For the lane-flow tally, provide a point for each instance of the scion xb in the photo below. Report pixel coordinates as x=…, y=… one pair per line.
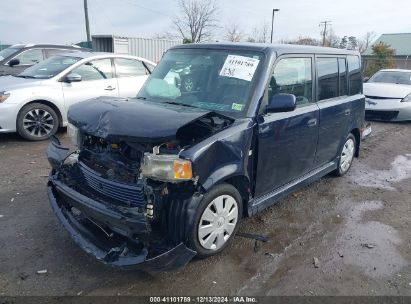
x=218, y=132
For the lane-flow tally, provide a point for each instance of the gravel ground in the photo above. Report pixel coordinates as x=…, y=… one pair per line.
x=356, y=229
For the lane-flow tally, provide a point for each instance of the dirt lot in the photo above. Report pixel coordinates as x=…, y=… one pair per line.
x=358, y=227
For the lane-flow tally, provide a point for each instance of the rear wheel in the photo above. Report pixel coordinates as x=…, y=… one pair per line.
x=346, y=156
x=37, y=121
x=216, y=220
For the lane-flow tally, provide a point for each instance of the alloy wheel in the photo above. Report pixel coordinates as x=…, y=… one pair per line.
x=38, y=122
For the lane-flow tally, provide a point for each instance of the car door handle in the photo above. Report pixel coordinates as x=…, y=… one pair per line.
x=347, y=112
x=312, y=122
x=109, y=88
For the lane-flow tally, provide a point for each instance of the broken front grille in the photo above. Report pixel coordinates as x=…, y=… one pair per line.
x=129, y=194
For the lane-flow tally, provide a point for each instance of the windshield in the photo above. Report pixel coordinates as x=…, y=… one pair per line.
x=217, y=80
x=7, y=52
x=49, y=67
x=396, y=77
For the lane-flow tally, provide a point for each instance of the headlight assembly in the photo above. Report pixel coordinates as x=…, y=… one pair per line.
x=169, y=168
x=74, y=134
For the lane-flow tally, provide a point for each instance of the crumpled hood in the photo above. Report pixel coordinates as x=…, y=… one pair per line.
x=388, y=90
x=117, y=119
x=9, y=83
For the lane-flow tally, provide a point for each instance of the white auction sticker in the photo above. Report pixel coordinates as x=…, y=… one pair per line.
x=239, y=67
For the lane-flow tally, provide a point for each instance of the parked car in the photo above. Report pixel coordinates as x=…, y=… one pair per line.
x=18, y=57
x=159, y=179
x=388, y=95
x=35, y=102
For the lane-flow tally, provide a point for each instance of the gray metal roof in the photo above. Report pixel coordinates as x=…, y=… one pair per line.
x=401, y=42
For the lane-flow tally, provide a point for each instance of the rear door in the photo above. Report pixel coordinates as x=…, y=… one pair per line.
x=334, y=104
x=96, y=80
x=131, y=75
x=287, y=141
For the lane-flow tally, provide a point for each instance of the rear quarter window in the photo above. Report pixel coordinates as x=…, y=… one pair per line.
x=327, y=70
x=354, y=74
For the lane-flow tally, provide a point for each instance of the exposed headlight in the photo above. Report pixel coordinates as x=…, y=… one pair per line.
x=74, y=134
x=3, y=96
x=166, y=168
x=406, y=98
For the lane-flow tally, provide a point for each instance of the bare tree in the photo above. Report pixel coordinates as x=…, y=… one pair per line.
x=302, y=40
x=197, y=19
x=365, y=41
x=233, y=33
x=260, y=33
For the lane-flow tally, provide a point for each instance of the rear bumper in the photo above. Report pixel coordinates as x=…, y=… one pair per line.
x=120, y=237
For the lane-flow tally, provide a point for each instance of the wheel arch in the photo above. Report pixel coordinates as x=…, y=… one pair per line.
x=242, y=184
x=47, y=103
x=357, y=135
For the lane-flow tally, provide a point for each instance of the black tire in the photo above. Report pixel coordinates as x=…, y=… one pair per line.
x=341, y=170
x=45, y=122
x=219, y=190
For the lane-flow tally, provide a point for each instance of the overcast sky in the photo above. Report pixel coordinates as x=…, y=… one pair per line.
x=62, y=21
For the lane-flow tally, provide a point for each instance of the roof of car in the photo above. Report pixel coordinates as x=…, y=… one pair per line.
x=46, y=45
x=85, y=55
x=279, y=48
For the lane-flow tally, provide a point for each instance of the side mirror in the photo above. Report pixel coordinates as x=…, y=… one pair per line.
x=72, y=77
x=14, y=62
x=365, y=79
x=281, y=103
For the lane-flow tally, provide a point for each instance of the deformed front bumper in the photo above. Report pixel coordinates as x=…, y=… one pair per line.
x=122, y=254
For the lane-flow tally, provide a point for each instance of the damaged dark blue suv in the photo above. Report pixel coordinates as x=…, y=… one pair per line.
x=218, y=132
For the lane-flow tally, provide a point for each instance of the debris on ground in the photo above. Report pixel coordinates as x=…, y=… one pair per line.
x=12, y=199
x=32, y=162
x=273, y=255
x=369, y=246
x=43, y=271
x=316, y=262
x=23, y=276
x=340, y=254
x=257, y=246
x=79, y=293
x=257, y=237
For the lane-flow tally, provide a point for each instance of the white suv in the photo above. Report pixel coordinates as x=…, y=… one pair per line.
x=35, y=102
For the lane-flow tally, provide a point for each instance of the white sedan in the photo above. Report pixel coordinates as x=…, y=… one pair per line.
x=35, y=102
x=388, y=95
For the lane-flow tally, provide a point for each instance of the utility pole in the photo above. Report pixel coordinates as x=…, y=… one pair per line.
x=272, y=23
x=87, y=24
x=324, y=23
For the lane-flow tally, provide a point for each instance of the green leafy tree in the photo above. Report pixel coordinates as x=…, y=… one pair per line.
x=383, y=58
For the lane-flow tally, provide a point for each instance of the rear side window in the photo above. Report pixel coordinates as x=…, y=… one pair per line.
x=343, y=76
x=95, y=70
x=30, y=57
x=292, y=76
x=327, y=70
x=354, y=72
x=129, y=67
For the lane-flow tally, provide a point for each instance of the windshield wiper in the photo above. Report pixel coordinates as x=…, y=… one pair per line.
x=180, y=104
x=24, y=76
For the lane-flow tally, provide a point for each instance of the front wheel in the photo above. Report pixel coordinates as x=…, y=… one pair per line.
x=216, y=220
x=346, y=156
x=37, y=121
